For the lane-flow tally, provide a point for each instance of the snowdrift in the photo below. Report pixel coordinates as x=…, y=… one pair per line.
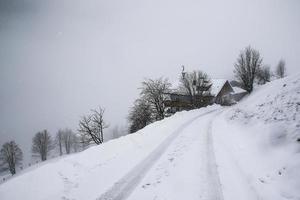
x=88, y=174
x=257, y=143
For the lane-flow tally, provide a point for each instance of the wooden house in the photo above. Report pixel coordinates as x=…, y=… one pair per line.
x=219, y=91
x=222, y=91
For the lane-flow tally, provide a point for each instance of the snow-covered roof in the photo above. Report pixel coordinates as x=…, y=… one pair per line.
x=238, y=90
x=217, y=85
x=175, y=88
x=175, y=85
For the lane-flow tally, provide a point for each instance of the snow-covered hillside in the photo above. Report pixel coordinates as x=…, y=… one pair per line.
x=277, y=102
x=89, y=174
x=247, y=151
x=258, y=140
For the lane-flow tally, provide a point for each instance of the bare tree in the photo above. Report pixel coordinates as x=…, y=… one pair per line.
x=59, y=141
x=83, y=140
x=194, y=83
x=281, y=69
x=11, y=156
x=140, y=115
x=153, y=90
x=76, y=144
x=92, y=126
x=68, y=139
x=42, y=144
x=98, y=122
x=86, y=130
x=248, y=63
x=263, y=75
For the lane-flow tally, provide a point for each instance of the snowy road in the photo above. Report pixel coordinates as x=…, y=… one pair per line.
x=181, y=167
x=251, y=148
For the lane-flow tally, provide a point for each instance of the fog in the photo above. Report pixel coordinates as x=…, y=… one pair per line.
x=60, y=58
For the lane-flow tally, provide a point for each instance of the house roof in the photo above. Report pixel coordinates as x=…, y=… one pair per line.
x=217, y=85
x=175, y=85
x=238, y=90
x=175, y=88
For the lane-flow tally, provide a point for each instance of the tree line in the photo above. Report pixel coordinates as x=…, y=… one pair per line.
x=249, y=68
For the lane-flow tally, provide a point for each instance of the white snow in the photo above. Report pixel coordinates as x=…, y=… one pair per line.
x=217, y=85
x=89, y=174
x=245, y=152
x=238, y=90
x=187, y=170
x=256, y=143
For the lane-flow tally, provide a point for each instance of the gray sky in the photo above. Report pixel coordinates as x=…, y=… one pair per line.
x=60, y=58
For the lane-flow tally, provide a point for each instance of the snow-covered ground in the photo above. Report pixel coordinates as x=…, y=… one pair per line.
x=89, y=174
x=247, y=151
x=187, y=170
x=256, y=143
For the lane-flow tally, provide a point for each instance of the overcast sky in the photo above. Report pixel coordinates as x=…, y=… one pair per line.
x=60, y=58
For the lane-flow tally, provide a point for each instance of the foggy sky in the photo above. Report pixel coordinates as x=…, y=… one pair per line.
x=60, y=58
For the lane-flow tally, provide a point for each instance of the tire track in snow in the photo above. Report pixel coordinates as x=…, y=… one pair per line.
x=212, y=171
x=124, y=187
x=193, y=168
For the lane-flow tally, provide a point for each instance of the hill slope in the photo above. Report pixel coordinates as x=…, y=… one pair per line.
x=88, y=174
x=258, y=140
x=247, y=151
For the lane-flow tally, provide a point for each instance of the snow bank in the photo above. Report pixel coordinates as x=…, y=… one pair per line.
x=88, y=174
x=277, y=102
x=256, y=143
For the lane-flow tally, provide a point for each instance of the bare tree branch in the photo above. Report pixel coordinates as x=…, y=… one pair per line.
x=246, y=67
x=154, y=91
x=92, y=126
